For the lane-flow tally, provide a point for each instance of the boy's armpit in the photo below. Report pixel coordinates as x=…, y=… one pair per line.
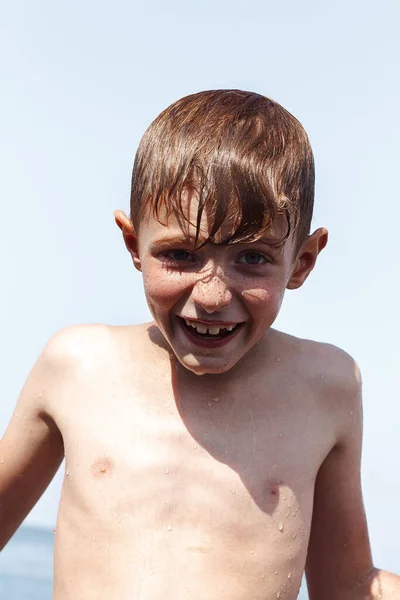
x=31, y=449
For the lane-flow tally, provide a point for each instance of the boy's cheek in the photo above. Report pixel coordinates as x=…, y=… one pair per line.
x=161, y=290
x=264, y=300
x=163, y=294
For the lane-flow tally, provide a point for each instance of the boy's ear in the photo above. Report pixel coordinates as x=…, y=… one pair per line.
x=307, y=257
x=129, y=235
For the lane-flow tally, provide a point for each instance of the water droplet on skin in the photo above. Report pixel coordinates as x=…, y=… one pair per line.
x=233, y=491
x=276, y=573
x=252, y=551
x=280, y=434
x=322, y=376
x=280, y=526
x=67, y=473
x=195, y=446
x=118, y=520
x=166, y=471
x=216, y=399
x=54, y=532
x=288, y=513
x=93, y=538
x=289, y=575
x=151, y=572
x=209, y=403
x=40, y=394
x=2, y=461
x=351, y=412
x=278, y=595
x=169, y=528
x=294, y=535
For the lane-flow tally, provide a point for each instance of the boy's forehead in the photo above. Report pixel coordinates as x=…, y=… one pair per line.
x=184, y=223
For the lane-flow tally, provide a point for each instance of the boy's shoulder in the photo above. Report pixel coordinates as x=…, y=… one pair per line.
x=321, y=365
x=81, y=344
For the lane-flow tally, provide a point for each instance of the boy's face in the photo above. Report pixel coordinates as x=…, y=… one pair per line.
x=214, y=304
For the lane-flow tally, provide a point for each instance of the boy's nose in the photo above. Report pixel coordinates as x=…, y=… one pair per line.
x=211, y=294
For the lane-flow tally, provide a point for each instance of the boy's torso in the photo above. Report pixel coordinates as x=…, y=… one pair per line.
x=176, y=490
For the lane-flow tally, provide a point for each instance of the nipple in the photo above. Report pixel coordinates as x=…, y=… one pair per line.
x=101, y=467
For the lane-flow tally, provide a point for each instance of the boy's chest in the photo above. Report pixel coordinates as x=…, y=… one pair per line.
x=224, y=455
x=181, y=482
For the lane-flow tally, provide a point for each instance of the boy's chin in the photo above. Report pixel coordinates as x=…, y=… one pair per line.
x=210, y=366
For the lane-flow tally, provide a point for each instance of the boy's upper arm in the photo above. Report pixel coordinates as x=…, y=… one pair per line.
x=31, y=449
x=339, y=555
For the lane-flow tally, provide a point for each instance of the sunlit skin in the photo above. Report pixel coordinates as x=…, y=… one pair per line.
x=239, y=283
x=220, y=487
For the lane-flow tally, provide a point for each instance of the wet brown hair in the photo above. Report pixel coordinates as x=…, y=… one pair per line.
x=247, y=158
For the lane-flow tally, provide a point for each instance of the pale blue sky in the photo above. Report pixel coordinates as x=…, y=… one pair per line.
x=80, y=83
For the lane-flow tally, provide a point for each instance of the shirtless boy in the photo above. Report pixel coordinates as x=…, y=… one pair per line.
x=207, y=455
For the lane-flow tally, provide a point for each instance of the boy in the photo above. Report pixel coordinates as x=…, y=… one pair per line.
x=207, y=455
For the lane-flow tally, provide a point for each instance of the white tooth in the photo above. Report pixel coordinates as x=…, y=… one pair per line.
x=190, y=324
x=231, y=327
x=201, y=328
x=214, y=330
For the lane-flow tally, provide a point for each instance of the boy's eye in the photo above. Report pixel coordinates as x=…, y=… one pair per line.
x=179, y=256
x=253, y=258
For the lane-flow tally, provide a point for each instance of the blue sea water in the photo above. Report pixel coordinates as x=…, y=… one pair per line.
x=26, y=566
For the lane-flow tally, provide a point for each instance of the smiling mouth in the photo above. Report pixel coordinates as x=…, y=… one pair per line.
x=209, y=332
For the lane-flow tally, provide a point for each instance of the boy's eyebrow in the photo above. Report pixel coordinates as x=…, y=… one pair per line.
x=183, y=239
x=272, y=243
x=175, y=239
